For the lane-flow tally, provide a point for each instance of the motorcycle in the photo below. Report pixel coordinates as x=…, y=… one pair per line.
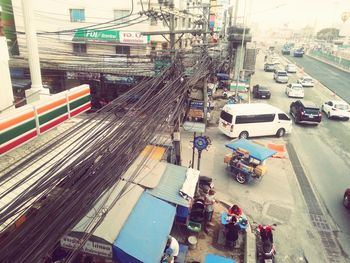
x=268, y=249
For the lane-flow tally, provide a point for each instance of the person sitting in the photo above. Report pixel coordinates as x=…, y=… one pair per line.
x=235, y=210
x=172, y=249
x=266, y=233
x=232, y=232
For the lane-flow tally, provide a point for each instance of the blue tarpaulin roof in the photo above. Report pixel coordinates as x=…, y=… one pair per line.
x=211, y=258
x=169, y=186
x=255, y=150
x=144, y=235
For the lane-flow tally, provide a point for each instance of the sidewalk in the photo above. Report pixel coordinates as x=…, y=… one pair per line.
x=276, y=198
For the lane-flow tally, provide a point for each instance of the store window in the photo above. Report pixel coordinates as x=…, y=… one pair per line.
x=121, y=15
x=79, y=48
x=123, y=50
x=77, y=15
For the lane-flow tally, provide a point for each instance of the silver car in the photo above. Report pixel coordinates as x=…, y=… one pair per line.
x=306, y=81
x=280, y=76
x=291, y=68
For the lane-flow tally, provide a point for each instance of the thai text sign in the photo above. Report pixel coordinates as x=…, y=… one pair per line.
x=90, y=247
x=133, y=38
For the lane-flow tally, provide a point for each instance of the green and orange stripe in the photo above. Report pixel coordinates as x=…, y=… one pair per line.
x=17, y=130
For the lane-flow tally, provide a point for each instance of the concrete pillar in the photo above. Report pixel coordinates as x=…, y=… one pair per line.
x=6, y=99
x=37, y=89
x=239, y=59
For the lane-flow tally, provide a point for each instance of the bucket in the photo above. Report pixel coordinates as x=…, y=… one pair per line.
x=192, y=242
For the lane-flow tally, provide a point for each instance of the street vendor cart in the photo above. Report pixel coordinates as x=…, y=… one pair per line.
x=247, y=161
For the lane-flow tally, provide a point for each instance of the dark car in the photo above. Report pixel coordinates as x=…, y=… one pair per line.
x=269, y=67
x=346, y=199
x=298, y=53
x=261, y=92
x=305, y=112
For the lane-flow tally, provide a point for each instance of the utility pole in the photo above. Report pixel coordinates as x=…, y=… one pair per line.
x=205, y=25
x=37, y=88
x=172, y=30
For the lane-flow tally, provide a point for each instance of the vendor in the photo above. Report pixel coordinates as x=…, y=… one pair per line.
x=232, y=232
x=235, y=210
x=171, y=250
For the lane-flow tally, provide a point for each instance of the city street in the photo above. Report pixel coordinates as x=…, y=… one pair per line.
x=323, y=149
x=324, y=156
x=334, y=79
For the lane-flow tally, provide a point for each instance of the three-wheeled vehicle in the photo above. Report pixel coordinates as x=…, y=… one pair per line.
x=247, y=161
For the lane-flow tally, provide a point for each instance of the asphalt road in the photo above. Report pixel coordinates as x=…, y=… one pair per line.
x=323, y=150
x=336, y=80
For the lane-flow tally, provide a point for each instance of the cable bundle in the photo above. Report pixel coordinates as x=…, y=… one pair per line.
x=105, y=149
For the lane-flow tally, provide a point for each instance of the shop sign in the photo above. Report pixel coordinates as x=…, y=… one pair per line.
x=133, y=38
x=119, y=79
x=197, y=104
x=90, y=247
x=83, y=75
x=110, y=36
x=98, y=36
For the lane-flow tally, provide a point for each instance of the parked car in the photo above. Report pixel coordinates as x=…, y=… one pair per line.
x=304, y=112
x=306, y=81
x=291, y=68
x=261, y=92
x=346, y=198
x=336, y=109
x=295, y=90
x=280, y=76
x=285, y=51
x=269, y=67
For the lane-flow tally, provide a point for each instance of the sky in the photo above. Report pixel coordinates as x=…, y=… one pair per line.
x=294, y=13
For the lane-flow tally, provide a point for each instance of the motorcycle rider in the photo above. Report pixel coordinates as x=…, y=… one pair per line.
x=266, y=233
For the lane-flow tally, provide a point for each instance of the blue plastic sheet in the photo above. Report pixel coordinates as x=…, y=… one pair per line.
x=255, y=150
x=211, y=258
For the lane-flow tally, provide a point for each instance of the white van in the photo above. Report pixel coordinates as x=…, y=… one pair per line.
x=255, y=119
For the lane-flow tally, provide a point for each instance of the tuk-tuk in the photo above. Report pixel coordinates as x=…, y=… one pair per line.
x=247, y=161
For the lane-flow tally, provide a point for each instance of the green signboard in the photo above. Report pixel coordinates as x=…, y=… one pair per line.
x=96, y=36
x=110, y=36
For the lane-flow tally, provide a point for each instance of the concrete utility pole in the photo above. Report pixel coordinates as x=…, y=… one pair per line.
x=6, y=100
x=172, y=30
x=37, y=88
x=206, y=15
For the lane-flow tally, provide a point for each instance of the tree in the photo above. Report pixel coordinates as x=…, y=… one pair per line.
x=328, y=34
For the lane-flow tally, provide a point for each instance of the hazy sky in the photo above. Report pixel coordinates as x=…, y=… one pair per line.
x=295, y=13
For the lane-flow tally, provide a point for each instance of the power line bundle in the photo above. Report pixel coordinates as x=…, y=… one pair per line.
x=70, y=188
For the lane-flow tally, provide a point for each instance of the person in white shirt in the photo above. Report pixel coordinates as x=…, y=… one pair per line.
x=171, y=250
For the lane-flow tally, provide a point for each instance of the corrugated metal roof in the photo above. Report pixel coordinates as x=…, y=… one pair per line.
x=147, y=169
x=144, y=235
x=170, y=185
x=116, y=217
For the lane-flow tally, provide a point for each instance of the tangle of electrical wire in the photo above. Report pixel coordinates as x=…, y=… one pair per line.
x=97, y=163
